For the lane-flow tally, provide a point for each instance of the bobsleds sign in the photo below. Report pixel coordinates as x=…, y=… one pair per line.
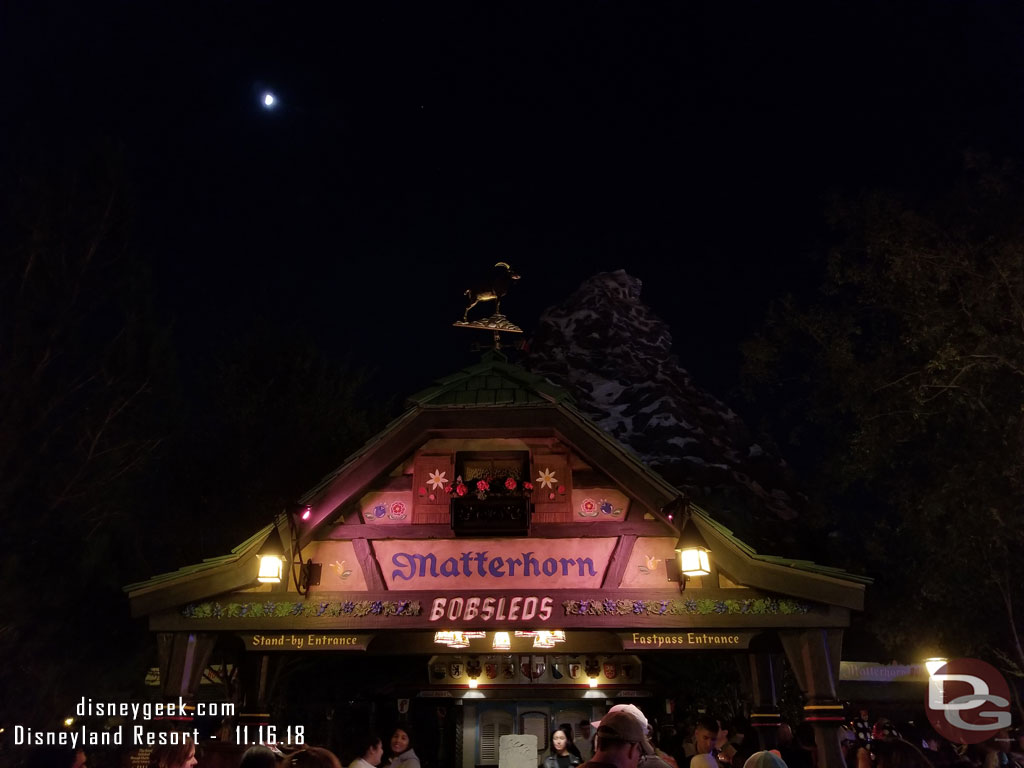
x=464, y=564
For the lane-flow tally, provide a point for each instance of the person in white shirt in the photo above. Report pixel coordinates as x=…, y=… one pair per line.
x=370, y=750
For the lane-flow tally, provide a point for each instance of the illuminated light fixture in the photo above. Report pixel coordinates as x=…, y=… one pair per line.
x=444, y=637
x=307, y=512
x=558, y=635
x=934, y=664
x=473, y=682
x=474, y=634
x=458, y=641
x=693, y=557
x=525, y=633
x=693, y=552
x=543, y=640
x=593, y=682
x=68, y=722
x=271, y=558
x=501, y=642
x=269, y=100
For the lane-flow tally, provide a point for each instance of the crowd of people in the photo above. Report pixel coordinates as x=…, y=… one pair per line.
x=624, y=738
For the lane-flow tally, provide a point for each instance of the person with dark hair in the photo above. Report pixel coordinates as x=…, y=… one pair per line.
x=566, y=728
x=705, y=734
x=258, y=756
x=312, y=757
x=174, y=755
x=368, y=750
x=401, y=749
x=620, y=742
x=563, y=753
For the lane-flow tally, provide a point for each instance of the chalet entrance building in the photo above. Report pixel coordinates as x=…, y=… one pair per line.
x=492, y=562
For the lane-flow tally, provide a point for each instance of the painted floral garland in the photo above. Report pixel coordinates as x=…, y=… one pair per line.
x=701, y=607
x=271, y=609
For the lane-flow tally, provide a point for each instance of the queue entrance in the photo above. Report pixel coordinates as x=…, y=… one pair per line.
x=493, y=533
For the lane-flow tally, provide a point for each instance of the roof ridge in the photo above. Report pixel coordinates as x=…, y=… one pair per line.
x=459, y=389
x=206, y=563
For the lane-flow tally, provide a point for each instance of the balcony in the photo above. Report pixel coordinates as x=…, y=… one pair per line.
x=496, y=515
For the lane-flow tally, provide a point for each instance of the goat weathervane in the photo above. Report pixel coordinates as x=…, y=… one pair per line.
x=491, y=288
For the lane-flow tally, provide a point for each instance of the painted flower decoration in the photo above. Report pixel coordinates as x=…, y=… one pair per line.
x=588, y=507
x=461, y=490
x=423, y=490
x=510, y=483
x=527, y=486
x=437, y=479
x=397, y=511
x=547, y=478
x=606, y=506
x=483, y=485
x=561, y=490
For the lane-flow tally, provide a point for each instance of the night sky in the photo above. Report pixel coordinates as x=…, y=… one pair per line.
x=696, y=145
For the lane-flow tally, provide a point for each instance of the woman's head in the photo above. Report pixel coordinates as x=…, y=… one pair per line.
x=174, y=755
x=370, y=748
x=559, y=742
x=401, y=740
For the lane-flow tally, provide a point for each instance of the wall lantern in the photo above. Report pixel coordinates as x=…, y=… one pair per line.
x=693, y=551
x=444, y=637
x=934, y=664
x=593, y=682
x=473, y=682
x=501, y=642
x=271, y=559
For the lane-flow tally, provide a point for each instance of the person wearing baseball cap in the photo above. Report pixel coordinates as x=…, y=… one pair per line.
x=650, y=757
x=620, y=743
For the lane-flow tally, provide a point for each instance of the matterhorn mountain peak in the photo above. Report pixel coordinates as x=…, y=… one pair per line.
x=614, y=355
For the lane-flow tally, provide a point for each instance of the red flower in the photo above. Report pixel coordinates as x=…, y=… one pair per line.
x=450, y=488
x=528, y=486
x=561, y=490
x=510, y=483
x=423, y=490
x=461, y=489
x=483, y=485
x=551, y=496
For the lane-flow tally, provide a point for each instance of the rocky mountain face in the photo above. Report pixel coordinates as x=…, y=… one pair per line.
x=614, y=355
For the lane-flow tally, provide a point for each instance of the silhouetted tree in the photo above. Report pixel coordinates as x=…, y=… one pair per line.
x=900, y=387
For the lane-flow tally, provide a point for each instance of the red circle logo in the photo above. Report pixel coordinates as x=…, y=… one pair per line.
x=967, y=701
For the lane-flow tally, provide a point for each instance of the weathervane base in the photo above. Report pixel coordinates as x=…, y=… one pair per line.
x=492, y=323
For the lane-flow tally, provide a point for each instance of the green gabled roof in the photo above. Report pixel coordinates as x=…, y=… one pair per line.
x=209, y=564
x=800, y=565
x=493, y=381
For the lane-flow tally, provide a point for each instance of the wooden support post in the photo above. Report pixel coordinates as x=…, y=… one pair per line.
x=814, y=656
x=183, y=657
x=764, y=712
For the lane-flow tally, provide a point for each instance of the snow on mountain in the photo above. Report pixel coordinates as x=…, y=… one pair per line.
x=608, y=349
